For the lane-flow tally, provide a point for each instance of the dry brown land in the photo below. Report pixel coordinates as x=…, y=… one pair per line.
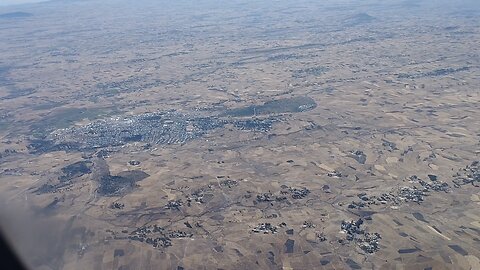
x=396, y=80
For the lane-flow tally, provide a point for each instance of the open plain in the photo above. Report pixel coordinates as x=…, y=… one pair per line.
x=241, y=135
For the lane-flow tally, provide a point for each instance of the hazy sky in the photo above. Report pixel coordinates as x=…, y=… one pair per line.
x=14, y=2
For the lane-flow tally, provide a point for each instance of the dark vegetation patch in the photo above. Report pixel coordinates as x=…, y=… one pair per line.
x=458, y=249
x=109, y=185
x=75, y=170
x=39, y=145
x=289, y=246
x=115, y=185
x=353, y=264
x=408, y=250
x=62, y=118
x=419, y=216
x=433, y=73
x=45, y=188
x=51, y=187
x=51, y=207
x=280, y=106
x=118, y=253
x=271, y=257
x=69, y=173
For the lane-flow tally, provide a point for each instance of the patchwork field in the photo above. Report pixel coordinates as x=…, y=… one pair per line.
x=241, y=135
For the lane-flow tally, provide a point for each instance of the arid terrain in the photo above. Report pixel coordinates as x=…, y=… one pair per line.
x=241, y=135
